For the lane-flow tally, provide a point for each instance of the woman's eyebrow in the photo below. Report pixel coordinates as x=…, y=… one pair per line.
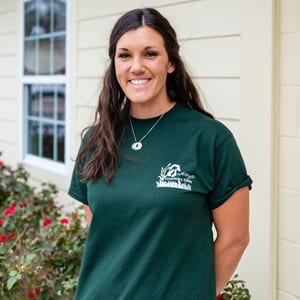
x=146, y=48
x=123, y=49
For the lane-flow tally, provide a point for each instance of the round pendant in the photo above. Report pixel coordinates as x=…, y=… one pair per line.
x=136, y=146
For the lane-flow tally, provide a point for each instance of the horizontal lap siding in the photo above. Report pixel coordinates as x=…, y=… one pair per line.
x=209, y=35
x=217, y=92
x=91, y=62
x=8, y=88
x=214, y=58
x=9, y=110
x=95, y=8
x=8, y=20
x=95, y=32
x=199, y=19
x=8, y=65
x=8, y=43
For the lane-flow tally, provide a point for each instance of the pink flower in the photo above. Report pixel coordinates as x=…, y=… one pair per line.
x=47, y=222
x=64, y=221
x=31, y=294
x=1, y=164
x=10, y=210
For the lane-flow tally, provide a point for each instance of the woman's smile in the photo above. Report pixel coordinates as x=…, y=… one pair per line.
x=139, y=82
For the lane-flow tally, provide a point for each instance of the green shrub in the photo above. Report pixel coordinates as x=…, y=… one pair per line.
x=235, y=290
x=40, y=248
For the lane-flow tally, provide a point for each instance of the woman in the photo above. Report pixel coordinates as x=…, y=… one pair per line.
x=154, y=172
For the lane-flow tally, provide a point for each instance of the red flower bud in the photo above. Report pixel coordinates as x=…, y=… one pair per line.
x=64, y=221
x=47, y=222
x=10, y=237
x=31, y=294
x=2, y=238
x=10, y=210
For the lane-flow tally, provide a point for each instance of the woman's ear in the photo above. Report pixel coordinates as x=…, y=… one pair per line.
x=171, y=68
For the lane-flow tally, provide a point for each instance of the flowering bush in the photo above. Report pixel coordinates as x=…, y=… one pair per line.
x=40, y=249
x=235, y=290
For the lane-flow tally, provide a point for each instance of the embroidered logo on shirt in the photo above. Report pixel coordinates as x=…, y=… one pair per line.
x=171, y=176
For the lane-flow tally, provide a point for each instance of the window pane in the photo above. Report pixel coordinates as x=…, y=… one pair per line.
x=48, y=101
x=48, y=131
x=61, y=143
x=33, y=137
x=59, y=55
x=30, y=18
x=33, y=95
x=60, y=102
x=59, y=16
x=44, y=56
x=45, y=53
x=30, y=53
x=45, y=119
x=44, y=16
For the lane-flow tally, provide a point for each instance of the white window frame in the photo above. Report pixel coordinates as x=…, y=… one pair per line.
x=26, y=158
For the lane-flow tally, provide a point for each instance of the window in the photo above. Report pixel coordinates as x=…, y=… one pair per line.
x=44, y=81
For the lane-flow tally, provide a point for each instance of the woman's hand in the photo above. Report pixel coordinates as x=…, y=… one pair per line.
x=88, y=214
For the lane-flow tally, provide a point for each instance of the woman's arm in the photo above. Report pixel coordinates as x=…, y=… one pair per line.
x=88, y=214
x=231, y=221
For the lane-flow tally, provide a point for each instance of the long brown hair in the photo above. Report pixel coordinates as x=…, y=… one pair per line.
x=101, y=143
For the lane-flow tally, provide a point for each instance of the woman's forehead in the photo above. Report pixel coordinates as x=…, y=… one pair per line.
x=142, y=36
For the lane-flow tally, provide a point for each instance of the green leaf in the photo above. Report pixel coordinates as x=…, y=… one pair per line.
x=13, y=273
x=27, y=260
x=30, y=257
x=11, y=282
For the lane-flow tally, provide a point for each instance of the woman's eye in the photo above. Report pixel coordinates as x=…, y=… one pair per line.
x=123, y=55
x=151, y=54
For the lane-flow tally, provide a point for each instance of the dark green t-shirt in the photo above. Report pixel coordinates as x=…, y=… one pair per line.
x=151, y=232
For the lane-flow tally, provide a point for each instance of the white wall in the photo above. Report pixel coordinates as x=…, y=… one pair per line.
x=258, y=143
x=289, y=151
x=9, y=112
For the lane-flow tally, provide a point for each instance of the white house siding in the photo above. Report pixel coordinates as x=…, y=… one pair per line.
x=289, y=152
x=9, y=113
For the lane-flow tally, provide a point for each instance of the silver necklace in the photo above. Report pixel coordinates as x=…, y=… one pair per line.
x=137, y=145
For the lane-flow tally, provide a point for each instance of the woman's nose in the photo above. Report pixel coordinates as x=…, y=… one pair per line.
x=137, y=65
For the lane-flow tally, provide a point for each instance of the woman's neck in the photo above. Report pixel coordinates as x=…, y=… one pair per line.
x=140, y=111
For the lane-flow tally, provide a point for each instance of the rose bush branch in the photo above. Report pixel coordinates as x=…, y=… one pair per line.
x=40, y=247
